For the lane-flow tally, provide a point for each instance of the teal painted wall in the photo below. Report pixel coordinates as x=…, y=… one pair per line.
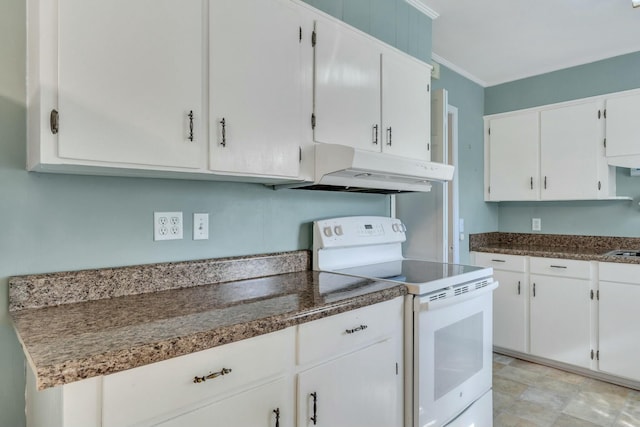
x=590, y=218
x=63, y=222
x=468, y=98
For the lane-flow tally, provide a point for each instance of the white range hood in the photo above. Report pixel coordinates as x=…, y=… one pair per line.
x=344, y=168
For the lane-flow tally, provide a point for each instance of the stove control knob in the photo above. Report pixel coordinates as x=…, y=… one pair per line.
x=338, y=230
x=396, y=228
x=327, y=231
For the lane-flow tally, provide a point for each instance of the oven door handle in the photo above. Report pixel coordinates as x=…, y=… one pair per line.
x=424, y=304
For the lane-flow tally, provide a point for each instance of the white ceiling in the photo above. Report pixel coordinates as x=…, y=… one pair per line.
x=497, y=41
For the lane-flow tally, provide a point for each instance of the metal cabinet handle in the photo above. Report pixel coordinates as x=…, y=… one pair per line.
x=223, y=122
x=277, y=412
x=531, y=183
x=222, y=372
x=375, y=134
x=54, y=121
x=190, y=115
x=389, y=136
x=499, y=260
x=315, y=408
x=545, y=182
x=359, y=328
x=534, y=290
x=558, y=266
x=518, y=287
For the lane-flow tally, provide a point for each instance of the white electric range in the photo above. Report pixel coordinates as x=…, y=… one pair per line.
x=448, y=318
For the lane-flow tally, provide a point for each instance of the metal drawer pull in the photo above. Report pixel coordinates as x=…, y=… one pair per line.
x=534, y=290
x=558, y=266
x=499, y=260
x=190, y=115
x=518, y=287
x=375, y=134
x=277, y=412
x=359, y=328
x=224, y=371
x=389, y=134
x=315, y=408
x=223, y=122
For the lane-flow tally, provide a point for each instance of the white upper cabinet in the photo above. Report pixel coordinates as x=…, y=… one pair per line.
x=572, y=161
x=548, y=153
x=129, y=82
x=406, y=120
x=255, y=87
x=369, y=96
x=513, y=153
x=623, y=130
x=346, y=87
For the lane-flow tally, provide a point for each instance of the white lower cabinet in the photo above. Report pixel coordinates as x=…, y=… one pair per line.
x=357, y=389
x=510, y=300
x=351, y=362
x=619, y=320
x=264, y=406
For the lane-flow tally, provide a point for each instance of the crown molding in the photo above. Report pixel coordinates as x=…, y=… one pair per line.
x=423, y=8
x=437, y=58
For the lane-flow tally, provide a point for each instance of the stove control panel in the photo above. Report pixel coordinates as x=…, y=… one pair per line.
x=357, y=231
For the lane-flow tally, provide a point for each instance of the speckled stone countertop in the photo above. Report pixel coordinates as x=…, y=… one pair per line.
x=98, y=334
x=588, y=248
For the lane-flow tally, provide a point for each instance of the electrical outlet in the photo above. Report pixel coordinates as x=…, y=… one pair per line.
x=536, y=224
x=167, y=225
x=200, y=226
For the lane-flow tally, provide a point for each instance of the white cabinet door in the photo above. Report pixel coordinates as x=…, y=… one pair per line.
x=561, y=319
x=406, y=106
x=510, y=314
x=130, y=73
x=359, y=389
x=264, y=406
x=623, y=126
x=255, y=87
x=619, y=322
x=514, y=157
x=346, y=88
x=571, y=152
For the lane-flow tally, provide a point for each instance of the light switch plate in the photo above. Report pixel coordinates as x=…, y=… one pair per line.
x=200, y=226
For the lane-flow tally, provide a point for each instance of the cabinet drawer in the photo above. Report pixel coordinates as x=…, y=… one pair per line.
x=560, y=267
x=160, y=390
x=345, y=332
x=501, y=261
x=624, y=273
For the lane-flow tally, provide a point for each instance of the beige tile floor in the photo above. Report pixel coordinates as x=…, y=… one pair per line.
x=527, y=394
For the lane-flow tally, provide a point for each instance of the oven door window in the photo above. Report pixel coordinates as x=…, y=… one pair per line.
x=458, y=354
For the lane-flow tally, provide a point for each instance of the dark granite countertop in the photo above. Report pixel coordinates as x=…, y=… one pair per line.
x=587, y=248
x=67, y=342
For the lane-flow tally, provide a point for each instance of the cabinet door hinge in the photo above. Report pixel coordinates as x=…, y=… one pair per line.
x=313, y=39
x=313, y=121
x=396, y=368
x=54, y=121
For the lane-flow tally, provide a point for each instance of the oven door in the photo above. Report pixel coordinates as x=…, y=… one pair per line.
x=452, y=354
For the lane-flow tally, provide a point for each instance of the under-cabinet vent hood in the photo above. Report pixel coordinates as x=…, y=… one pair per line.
x=344, y=168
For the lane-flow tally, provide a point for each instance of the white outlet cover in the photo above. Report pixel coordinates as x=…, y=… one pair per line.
x=167, y=226
x=536, y=224
x=200, y=226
